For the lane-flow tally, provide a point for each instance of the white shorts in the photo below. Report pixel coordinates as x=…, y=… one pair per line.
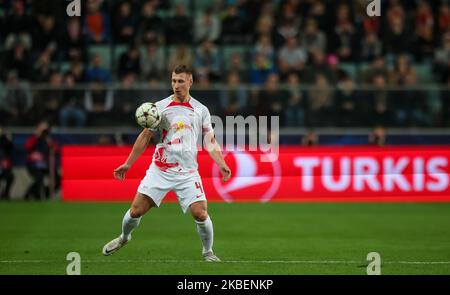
x=188, y=188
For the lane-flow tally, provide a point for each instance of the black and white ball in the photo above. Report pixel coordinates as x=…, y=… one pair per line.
x=148, y=115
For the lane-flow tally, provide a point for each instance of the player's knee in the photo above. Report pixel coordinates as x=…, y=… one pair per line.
x=136, y=212
x=201, y=215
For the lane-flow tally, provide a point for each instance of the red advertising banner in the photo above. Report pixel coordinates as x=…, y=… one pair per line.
x=399, y=173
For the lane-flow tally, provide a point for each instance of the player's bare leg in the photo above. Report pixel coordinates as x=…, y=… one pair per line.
x=141, y=204
x=204, y=229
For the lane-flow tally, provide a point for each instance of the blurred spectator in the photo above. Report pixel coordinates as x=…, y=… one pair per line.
x=18, y=25
x=264, y=47
x=378, y=67
x=409, y=105
x=377, y=136
x=96, y=72
x=178, y=28
x=130, y=62
x=294, y=112
x=42, y=150
x=207, y=59
x=18, y=59
x=47, y=102
x=207, y=26
x=237, y=64
x=335, y=73
x=6, y=164
x=396, y=38
x=273, y=96
x=287, y=13
x=378, y=112
x=371, y=25
x=319, y=66
x=125, y=23
x=425, y=45
x=318, y=11
x=260, y=70
x=371, y=47
x=250, y=11
x=424, y=17
x=310, y=139
x=264, y=26
x=445, y=103
x=43, y=67
x=443, y=17
x=151, y=26
x=153, y=62
x=347, y=102
x=395, y=12
x=17, y=100
x=78, y=71
x=345, y=39
x=291, y=57
x=256, y=106
x=72, y=112
x=96, y=23
x=288, y=28
x=180, y=56
x=233, y=27
x=442, y=58
x=98, y=101
x=126, y=104
x=46, y=36
x=446, y=73
x=313, y=38
x=234, y=99
x=74, y=45
x=402, y=68
x=321, y=102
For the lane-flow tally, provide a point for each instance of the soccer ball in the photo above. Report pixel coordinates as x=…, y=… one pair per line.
x=148, y=115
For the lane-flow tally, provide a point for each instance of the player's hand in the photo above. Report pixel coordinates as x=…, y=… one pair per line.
x=119, y=172
x=226, y=172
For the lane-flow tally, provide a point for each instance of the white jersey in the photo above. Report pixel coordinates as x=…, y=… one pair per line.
x=180, y=127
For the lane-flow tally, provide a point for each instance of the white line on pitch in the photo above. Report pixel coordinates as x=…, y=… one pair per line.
x=229, y=261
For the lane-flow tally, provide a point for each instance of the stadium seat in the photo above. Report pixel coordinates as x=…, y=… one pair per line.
x=173, y=3
x=201, y=5
x=350, y=68
x=172, y=48
x=105, y=53
x=229, y=50
x=2, y=93
x=117, y=50
x=424, y=73
x=64, y=66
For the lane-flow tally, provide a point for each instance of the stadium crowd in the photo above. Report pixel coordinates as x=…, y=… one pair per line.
x=312, y=62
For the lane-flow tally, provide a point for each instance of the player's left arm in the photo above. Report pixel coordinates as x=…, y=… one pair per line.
x=213, y=146
x=215, y=153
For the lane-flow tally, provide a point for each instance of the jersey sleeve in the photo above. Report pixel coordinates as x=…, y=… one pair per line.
x=206, y=122
x=163, y=124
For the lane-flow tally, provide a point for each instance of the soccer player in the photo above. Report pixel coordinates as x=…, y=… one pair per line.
x=174, y=165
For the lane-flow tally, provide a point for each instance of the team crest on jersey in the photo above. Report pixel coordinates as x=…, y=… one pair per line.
x=180, y=126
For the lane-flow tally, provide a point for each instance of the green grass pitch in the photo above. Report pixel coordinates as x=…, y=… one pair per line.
x=250, y=238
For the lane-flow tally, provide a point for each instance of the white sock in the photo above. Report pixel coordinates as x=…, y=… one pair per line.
x=206, y=233
x=128, y=225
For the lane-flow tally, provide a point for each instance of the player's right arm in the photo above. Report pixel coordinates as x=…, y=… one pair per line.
x=139, y=147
